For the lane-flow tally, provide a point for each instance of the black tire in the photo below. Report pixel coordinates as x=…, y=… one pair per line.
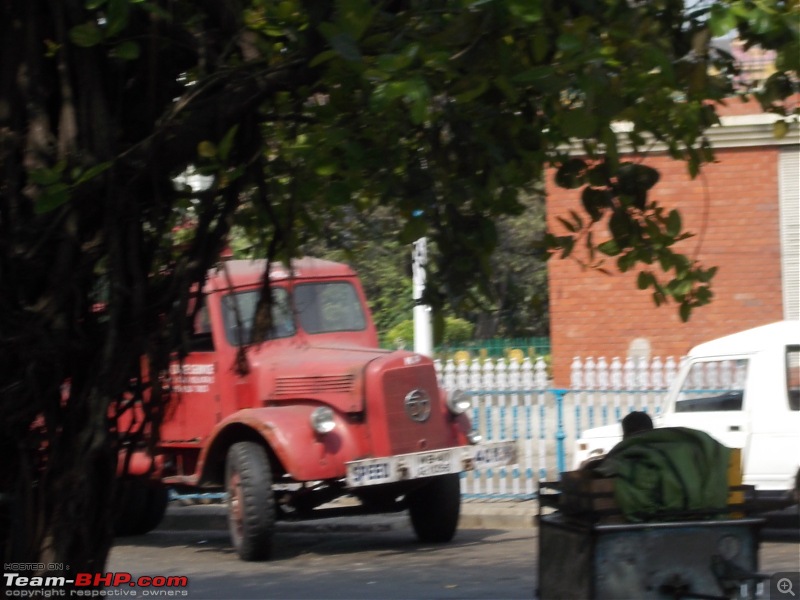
x=155, y=506
x=142, y=505
x=251, y=504
x=434, y=509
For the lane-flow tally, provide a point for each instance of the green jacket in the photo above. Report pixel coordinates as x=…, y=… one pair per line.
x=668, y=469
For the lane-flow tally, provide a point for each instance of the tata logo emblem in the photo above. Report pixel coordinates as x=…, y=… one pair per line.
x=418, y=405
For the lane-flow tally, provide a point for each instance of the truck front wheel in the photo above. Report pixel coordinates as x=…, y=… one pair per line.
x=251, y=504
x=434, y=509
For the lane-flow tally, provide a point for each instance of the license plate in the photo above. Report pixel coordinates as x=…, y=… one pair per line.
x=495, y=454
x=376, y=471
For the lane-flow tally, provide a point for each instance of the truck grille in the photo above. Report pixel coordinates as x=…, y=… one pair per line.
x=292, y=387
x=405, y=434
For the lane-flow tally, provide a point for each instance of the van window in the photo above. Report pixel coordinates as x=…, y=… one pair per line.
x=716, y=385
x=793, y=376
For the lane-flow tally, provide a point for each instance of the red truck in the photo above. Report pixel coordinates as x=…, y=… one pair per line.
x=313, y=411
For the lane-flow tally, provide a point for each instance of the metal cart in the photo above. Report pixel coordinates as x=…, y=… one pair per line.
x=596, y=555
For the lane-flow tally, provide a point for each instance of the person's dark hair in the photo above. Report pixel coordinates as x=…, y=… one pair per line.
x=636, y=422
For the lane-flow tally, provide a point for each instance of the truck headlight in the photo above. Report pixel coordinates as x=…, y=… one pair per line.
x=458, y=402
x=322, y=420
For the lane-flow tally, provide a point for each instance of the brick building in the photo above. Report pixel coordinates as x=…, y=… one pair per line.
x=745, y=212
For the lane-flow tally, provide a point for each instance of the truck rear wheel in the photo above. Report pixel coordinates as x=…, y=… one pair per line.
x=434, y=509
x=251, y=504
x=142, y=506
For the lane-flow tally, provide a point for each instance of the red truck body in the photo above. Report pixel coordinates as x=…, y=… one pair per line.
x=313, y=411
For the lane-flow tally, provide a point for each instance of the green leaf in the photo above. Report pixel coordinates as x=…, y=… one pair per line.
x=44, y=176
x=93, y=172
x=226, y=143
x=86, y=35
x=620, y=225
x=569, y=43
x=540, y=43
x=474, y=93
x=206, y=149
x=633, y=179
x=126, y=50
x=339, y=193
x=51, y=198
x=579, y=123
x=341, y=42
x=625, y=262
x=326, y=169
x=722, y=20
x=117, y=16
x=674, y=223
x=529, y=11
x=609, y=248
x=685, y=311
x=780, y=129
x=322, y=57
x=644, y=280
x=571, y=174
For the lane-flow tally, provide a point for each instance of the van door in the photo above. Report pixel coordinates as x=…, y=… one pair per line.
x=712, y=399
x=773, y=459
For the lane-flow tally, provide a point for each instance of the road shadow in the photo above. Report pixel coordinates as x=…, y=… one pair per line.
x=318, y=538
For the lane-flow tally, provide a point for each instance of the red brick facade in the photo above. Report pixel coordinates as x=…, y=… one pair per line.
x=733, y=208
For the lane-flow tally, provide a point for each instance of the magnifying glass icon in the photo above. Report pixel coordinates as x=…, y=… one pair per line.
x=784, y=586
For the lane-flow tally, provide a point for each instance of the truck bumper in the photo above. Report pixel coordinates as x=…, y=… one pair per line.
x=418, y=465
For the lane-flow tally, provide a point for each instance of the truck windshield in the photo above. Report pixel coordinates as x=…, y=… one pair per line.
x=328, y=307
x=320, y=308
x=244, y=303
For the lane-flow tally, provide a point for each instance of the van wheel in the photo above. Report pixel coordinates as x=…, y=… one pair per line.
x=434, y=509
x=251, y=504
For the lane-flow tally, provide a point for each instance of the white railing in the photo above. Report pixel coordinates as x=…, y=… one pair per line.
x=516, y=400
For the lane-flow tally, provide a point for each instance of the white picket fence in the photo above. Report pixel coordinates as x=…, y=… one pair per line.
x=515, y=400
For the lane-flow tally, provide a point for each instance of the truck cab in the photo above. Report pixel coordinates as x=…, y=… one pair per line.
x=289, y=416
x=744, y=390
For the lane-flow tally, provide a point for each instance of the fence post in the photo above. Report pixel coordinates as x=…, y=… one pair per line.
x=560, y=435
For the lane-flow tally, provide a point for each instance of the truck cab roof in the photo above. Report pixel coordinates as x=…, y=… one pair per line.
x=242, y=273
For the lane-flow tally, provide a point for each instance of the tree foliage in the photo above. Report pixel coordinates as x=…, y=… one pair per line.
x=301, y=111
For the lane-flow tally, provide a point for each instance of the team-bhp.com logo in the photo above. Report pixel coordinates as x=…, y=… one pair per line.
x=96, y=585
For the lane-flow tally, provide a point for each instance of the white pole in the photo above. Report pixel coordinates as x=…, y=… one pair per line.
x=423, y=330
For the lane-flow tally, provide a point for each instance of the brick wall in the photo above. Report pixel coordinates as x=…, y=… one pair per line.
x=733, y=209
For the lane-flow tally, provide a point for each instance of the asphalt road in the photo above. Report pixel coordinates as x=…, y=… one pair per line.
x=376, y=559
x=315, y=563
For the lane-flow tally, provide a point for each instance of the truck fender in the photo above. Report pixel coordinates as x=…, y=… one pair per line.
x=139, y=464
x=300, y=452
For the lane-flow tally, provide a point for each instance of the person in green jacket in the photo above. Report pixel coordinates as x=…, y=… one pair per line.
x=668, y=473
x=635, y=422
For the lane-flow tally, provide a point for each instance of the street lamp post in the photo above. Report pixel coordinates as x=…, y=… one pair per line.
x=423, y=330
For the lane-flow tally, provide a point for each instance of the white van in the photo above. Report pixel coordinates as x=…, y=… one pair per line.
x=744, y=390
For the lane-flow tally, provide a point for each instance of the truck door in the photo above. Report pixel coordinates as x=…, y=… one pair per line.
x=712, y=399
x=195, y=405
